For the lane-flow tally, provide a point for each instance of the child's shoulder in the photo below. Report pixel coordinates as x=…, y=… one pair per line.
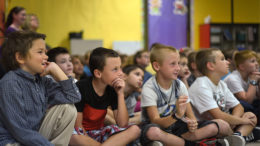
x=84, y=81
x=9, y=76
x=200, y=82
x=235, y=75
x=150, y=82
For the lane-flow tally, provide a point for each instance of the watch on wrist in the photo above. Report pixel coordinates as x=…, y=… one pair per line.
x=253, y=82
x=177, y=118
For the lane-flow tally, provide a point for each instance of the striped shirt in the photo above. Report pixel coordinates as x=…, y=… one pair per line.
x=24, y=99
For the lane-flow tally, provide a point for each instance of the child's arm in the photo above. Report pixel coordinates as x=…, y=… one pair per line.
x=189, y=113
x=64, y=90
x=109, y=119
x=78, y=123
x=191, y=119
x=250, y=94
x=55, y=71
x=231, y=119
x=121, y=114
x=154, y=117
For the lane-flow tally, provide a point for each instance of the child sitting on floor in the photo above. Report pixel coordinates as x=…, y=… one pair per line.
x=105, y=88
x=212, y=99
x=34, y=109
x=165, y=102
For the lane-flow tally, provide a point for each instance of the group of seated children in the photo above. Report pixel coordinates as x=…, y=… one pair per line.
x=43, y=102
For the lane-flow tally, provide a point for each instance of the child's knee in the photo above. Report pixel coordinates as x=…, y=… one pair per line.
x=222, y=124
x=70, y=110
x=153, y=133
x=223, y=127
x=135, y=130
x=214, y=128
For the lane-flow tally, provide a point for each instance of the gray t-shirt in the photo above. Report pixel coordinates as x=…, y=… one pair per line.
x=130, y=102
x=154, y=95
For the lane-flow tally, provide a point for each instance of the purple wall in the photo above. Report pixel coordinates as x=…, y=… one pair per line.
x=165, y=26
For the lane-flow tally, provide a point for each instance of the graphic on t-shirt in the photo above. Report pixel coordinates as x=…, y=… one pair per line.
x=169, y=110
x=219, y=98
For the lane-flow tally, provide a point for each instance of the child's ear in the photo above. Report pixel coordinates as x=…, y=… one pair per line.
x=19, y=58
x=210, y=66
x=156, y=66
x=97, y=73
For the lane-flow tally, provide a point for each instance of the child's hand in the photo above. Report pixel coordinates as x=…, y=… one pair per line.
x=80, y=130
x=254, y=76
x=72, y=75
x=55, y=71
x=181, y=105
x=192, y=124
x=49, y=68
x=249, y=119
x=119, y=85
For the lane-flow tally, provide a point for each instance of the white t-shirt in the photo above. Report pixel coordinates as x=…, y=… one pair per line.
x=205, y=95
x=164, y=99
x=235, y=82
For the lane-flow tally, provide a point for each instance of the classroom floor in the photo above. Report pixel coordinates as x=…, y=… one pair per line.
x=254, y=144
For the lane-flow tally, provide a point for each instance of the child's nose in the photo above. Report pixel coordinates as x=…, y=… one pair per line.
x=120, y=73
x=46, y=56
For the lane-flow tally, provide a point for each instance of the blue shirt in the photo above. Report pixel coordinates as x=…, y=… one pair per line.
x=87, y=71
x=24, y=99
x=147, y=76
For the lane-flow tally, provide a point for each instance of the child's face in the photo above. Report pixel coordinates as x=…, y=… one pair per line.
x=34, y=22
x=145, y=59
x=135, y=79
x=184, y=70
x=250, y=65
x=64, y=62
x=77, y=66
x=112, y=70
x=221, y=65
x=169, y=68
x=36, y=59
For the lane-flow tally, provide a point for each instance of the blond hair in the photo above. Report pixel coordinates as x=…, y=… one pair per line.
x=242, y=56
x=27, y=24
x=158, y=52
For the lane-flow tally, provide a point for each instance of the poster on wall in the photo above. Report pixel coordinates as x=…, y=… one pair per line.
x=170, y=27
x=155, y=7
x=179, y=7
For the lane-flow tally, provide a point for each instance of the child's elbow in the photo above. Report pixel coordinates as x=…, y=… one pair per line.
x=122, y=124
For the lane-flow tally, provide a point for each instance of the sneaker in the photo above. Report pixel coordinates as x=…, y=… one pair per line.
x=249, y=137
x=235, y=140
x=256, y=133
x=222, y=142
x=155, y=143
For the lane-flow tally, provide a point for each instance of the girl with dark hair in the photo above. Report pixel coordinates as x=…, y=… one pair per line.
x=15, y=19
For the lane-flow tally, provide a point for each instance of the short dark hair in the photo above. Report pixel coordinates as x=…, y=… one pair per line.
x=98, y=58
x=20, y=42
x=127, y=69
x=138, y=55
x=53, y=53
